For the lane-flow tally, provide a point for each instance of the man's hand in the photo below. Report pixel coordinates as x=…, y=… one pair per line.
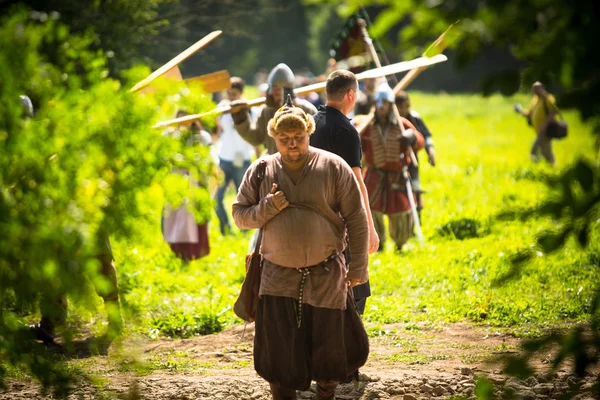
x=519, y=109
x=353, y=282
x=408, y=138
x=239, y=110
x=373, y=240
x=431, y=154
x=278, y=198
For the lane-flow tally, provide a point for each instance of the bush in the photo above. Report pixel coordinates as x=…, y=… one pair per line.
x=463, y=228
x=72, y=174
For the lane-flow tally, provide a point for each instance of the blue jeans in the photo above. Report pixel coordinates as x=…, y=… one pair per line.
x=232, y=173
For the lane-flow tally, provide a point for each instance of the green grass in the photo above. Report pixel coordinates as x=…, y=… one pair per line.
x=408, y=358
x=483, y=167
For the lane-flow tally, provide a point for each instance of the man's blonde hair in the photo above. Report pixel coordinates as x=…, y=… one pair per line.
x=291, y=119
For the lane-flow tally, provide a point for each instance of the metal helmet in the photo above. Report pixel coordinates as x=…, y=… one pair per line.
x=384, y=93
x=26, y=101
x=280, y=76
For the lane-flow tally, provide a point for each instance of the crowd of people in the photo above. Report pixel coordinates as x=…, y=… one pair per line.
x=320, y=191
x=241, y=136
x=321, y=201
x=320, y=194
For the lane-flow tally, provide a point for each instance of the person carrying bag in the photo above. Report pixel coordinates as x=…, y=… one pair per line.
x=542, y=118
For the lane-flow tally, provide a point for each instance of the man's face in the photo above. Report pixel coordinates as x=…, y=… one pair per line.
x=538, y=89
x=277, y=93
x=403, y=108
x=233, y=94
x=292, y=145
x=384, y=110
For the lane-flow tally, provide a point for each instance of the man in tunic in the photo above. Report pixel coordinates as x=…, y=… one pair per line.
x=281, y=82
x=307, y=327
x=335, y=133
x=403, y=104
x=386, y=153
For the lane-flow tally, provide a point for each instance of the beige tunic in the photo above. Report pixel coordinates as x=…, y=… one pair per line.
x=300, y=237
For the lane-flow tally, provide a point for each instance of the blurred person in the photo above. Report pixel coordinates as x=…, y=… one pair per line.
x=263, y=88
x=385, y=148
x=331, y=66
x=307, y=327
x=364, y=97
x=542, y=110
x=260, y=76
x=336, y=134
x=281, y=82
x=235, y=153
x=404, y=108
x=317, y=99
x=187, y=239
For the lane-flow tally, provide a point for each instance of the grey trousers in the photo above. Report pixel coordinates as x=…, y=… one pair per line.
x=542, y=144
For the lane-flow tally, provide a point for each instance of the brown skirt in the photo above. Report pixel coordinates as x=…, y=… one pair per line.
x=193, y=251
x=330, y=344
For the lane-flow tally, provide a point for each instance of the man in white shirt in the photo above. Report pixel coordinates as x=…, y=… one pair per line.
x=235, y=154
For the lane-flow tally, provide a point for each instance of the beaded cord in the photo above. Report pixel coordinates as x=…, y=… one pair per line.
x=305, y=272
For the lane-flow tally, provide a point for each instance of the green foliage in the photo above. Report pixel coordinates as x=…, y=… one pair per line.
x=484, y=389
x=76, y=172
x=552, y=39
x=117, y=27
x=444, y=281
x=162, y=296
x=184, y=326
x=463, y=228
x=573, y=203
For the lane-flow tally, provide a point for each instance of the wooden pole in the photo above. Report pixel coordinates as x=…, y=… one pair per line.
x=318, y=87
x=176, y=60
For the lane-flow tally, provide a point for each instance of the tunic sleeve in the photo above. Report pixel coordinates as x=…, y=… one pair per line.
x=420, y=143
x=253, y=133
x=355, y=218
x=249, y=210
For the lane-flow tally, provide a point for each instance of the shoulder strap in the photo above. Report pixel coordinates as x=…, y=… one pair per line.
x=260, y=177
x=545, y=100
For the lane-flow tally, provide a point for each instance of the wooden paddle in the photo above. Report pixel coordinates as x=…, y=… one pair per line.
x=176, y=60
x=318, y=87
x=210, y=83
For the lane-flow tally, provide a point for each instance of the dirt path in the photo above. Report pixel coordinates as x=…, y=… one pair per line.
x=406, y=362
